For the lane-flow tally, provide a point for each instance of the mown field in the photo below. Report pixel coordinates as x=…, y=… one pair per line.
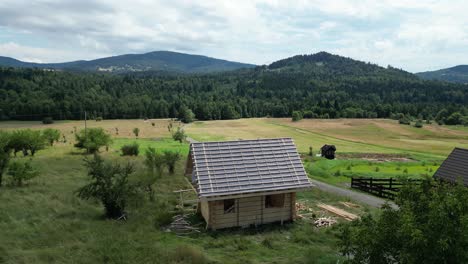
x=45, y=222
x=406, y=151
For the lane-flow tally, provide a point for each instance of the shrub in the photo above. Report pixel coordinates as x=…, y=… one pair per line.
x=47, y=121
x=99, y=119
x=337, y=173
x=154, y=161
x=405, y=171
x=130, y=150
x=136, y=131
x=21, y=172
x=349, y=167
x=296, y=116
x=27, y=140
x=5, y=150
x=179, y=135
x=51, y=135
x=171, y=159
x=92, y=139
x=377, y=169
x=153, y=124
x=109, y=184
x=404, y=121
x=418, y=124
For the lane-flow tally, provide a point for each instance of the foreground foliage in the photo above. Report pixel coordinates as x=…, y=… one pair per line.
x=430, y=226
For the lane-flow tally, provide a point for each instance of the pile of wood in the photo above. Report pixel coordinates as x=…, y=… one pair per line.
x=302, y=207
x=349, y=205
x=324, y=222
x=337, y=211
x=180, y=226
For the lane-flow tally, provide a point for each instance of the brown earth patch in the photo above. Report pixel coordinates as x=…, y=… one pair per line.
x=375, y=157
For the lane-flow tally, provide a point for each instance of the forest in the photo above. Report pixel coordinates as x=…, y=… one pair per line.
x=319, y=86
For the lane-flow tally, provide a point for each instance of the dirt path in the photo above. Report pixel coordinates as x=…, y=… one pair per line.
x=353, y=195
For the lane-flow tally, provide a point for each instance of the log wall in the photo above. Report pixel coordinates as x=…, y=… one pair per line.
x=249, y=211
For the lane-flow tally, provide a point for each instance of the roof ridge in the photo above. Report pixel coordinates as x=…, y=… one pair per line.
x=242, y=140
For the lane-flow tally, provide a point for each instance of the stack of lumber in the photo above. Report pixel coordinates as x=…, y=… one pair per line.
x=337, y=211
x=349, y=205
x=181, y=226
x=324, y=222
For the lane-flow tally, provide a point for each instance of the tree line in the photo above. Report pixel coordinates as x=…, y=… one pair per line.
x=33, y=94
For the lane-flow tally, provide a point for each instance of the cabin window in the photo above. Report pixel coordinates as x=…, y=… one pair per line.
x=274, y=201
x=229, y=206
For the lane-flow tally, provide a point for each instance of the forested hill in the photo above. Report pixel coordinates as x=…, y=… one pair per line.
x=153, y=61
x=357, y=90
x=326, y=64
x=457, y=74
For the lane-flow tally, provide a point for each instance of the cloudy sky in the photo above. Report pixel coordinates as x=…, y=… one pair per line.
x=413, y=35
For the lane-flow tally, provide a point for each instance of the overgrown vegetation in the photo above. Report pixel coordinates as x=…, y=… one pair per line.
x=430, y=226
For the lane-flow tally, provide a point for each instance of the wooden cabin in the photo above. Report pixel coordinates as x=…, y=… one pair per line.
x=246, y=182
x=328, y=151
x=454, y=168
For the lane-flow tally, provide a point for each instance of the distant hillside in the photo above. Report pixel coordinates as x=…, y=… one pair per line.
x=327, y=64
x=152, y=61
x=457, y=74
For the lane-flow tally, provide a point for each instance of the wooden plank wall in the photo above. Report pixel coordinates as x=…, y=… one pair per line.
x=249, y=211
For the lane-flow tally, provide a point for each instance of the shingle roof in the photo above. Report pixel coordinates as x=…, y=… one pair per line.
x=247, y=166
x=454, y=167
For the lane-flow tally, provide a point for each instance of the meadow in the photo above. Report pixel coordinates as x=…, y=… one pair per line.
x=45, y=221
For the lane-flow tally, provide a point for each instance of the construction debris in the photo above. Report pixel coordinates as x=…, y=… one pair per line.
x=349, y=205
x=180, y=226
x=324, y=222
x=337, y=211
x=302, y=207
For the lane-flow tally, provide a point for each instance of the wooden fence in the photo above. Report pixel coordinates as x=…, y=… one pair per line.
x=382, y=187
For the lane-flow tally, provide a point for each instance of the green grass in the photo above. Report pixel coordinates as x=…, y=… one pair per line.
x=338, y=172
x=45, y=222
x=160, y=144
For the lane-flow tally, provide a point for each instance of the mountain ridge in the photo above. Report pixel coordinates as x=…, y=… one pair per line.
x=150, y=61
x=455, y=74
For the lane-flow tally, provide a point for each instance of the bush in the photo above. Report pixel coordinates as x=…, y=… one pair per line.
x=153, y=124
x=98, y=119
x=5, y=150
x=51, y=135
x=92, y=139
x=404, y=121
x=136, y=131
x=47, y=121
x=130, y=150
x=296, y=116
x=109, y=184
x=179, y=135
x=418, y=124
x=171, y=159
x=377, y=169
x=21, y=172
x=338, y=173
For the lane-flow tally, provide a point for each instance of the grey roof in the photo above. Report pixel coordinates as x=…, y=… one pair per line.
x=247, y=166
x=454, y=167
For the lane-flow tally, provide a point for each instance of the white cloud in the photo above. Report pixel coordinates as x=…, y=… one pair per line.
x=415, y=35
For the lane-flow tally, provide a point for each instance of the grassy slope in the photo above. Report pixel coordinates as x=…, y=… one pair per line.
x=44, y=222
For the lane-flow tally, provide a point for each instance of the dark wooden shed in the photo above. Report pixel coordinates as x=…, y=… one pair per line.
x=328, y=151
x=454, y=168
